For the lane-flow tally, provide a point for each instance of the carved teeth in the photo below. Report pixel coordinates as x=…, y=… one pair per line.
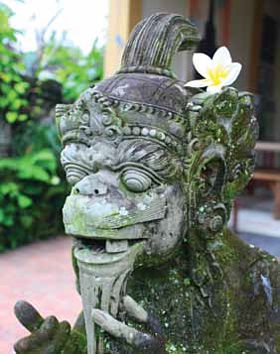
x=116, y=246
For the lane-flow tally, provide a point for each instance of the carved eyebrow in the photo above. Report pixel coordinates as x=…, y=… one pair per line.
x=154, y=157
x=140, y=167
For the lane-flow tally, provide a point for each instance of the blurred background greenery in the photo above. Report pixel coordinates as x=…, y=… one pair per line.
x=32, y=188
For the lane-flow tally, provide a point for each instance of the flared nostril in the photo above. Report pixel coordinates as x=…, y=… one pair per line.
x=90, y=186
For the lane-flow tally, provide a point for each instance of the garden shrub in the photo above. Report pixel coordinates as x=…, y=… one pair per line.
x=31, y=197
x=32, y=183
x=12, y=85
x=70, y=67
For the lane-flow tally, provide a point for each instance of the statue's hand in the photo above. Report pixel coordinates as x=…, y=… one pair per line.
x=47, y=335
x=144, y=342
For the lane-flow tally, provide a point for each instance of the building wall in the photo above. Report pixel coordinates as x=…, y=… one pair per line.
x=120, y=26
x=241, y=33
x=181, y=61
x=272, y=8
x=123, y=16
x=241, y=27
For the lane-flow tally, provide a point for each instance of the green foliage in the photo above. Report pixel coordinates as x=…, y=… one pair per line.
x=65, y=63
x=12, y=85
x=33, y=187
x=30, y=197
x=32, y=137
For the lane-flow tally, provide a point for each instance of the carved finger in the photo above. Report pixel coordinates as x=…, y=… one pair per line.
x=120, y=330
x=36, y=339
x=59, y=339
x=28, y=316
x=134, y=310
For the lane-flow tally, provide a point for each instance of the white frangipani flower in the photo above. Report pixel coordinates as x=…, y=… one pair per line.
x=217, y=72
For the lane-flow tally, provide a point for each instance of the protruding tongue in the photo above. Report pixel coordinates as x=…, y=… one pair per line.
x=103, y=277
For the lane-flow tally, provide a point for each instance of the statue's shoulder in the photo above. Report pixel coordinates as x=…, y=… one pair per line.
x=255, y=286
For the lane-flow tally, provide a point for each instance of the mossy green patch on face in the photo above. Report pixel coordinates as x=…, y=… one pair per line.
x=175, y=348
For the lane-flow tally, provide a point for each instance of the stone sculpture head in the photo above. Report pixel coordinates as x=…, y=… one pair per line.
x=149, y=159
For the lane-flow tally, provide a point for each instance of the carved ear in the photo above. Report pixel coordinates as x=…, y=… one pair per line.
x=241, y=154
x=227, y=130
x=213, y=170
x=221, y=161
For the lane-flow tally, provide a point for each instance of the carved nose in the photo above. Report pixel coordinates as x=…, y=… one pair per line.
x=90, y=185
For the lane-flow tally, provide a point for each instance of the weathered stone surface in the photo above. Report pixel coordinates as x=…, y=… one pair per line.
x=154, y=168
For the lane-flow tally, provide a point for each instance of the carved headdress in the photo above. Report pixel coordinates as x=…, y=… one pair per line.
x=213, y=136
x=151, y=100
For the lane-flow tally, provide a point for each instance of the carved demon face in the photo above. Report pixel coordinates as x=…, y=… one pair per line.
x=123, y=194
x=137, y=173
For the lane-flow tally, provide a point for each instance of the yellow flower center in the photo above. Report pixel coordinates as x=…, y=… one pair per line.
x=217, y=74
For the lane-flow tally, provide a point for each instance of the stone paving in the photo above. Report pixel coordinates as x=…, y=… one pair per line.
x=40, y=273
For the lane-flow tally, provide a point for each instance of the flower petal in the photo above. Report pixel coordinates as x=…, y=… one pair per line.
x=222, y=56
x=214, y=88
x=197, y=83
x=234, y=71
x=202, y=64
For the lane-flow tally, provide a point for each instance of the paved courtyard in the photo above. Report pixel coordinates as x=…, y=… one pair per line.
x=40, y=273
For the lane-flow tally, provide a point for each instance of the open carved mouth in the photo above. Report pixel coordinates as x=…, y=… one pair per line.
x=89, y=232
x=109, y=246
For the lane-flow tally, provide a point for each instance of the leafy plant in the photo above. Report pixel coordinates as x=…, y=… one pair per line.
x=32, y=191
x=69, y=66
x=30, y=197
x=12, y=86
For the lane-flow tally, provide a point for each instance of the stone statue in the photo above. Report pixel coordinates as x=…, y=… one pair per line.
x=154, y=167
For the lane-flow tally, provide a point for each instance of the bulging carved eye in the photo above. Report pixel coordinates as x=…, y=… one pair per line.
x=74, y=175
x=75, y=159
x=136, y=181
